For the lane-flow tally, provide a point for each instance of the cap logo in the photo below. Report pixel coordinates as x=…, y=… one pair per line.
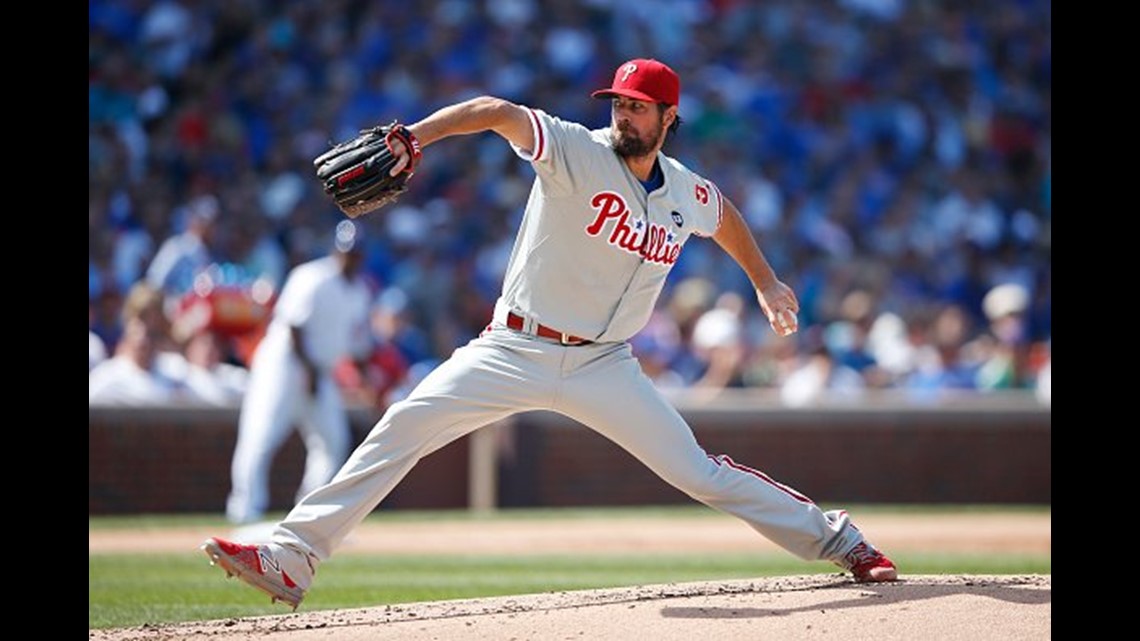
x=629, y=68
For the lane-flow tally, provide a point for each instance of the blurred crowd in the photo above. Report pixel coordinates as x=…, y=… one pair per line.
x=892, y=158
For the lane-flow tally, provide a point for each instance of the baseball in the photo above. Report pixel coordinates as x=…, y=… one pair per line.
x=786, y=322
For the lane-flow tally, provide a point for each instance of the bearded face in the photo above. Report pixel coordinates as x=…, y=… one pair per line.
x=630, y=142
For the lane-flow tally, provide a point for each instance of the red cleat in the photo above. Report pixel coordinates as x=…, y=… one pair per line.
x=263, y=567
x=869, y=565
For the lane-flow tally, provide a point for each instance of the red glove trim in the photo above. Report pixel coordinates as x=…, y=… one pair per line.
x=410, y=142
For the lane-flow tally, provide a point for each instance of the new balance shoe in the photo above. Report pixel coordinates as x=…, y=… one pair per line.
x=869, y=565
x=281, y=573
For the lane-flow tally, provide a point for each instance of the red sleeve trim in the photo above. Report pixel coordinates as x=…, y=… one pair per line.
x=539, y=137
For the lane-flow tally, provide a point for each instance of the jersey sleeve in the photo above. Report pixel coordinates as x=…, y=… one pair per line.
x=559, y=145
x=540, y=123
x=708, y=206
x=713, y=210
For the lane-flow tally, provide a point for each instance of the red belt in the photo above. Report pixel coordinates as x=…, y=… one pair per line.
x=515, y=322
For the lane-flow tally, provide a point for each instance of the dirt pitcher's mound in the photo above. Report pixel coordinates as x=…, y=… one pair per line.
x=825, y=606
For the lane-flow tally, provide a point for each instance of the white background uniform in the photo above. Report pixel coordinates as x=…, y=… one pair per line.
x=590, y=259
x=333, y=313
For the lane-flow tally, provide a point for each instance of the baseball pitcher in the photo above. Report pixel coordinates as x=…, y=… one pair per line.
x=607, y=217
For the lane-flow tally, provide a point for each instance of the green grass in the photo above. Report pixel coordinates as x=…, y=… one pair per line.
x=133, y=589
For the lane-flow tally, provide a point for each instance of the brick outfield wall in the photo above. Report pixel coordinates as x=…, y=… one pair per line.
x=177, y=460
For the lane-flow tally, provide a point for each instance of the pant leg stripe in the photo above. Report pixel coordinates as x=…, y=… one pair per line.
x=725, y=459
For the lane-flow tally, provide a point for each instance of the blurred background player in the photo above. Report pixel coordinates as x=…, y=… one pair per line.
x=320, y=317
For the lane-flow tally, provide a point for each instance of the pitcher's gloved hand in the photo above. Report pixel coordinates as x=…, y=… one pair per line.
x=358, y=173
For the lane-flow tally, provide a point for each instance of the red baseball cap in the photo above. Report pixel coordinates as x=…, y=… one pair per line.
x=644, y=79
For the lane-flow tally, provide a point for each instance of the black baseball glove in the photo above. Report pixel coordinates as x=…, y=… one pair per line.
x=357, y=175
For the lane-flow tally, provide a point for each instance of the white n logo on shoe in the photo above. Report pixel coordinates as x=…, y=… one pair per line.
x=266, y=559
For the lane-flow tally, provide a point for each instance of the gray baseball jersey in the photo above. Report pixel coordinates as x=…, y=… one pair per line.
x=593, y=250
